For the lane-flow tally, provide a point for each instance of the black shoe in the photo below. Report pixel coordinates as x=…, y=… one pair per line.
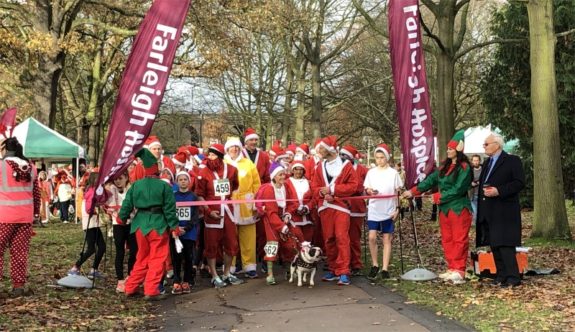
x=496, y=283
x=510, y=285
x=384, y=274
x=356, y=272
x=373, y=273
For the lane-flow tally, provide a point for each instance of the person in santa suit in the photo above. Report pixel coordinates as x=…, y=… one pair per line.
x=259, y=157
x=310, y=165
x=291, y=150
x=334, y=178
x=453, y=178
x=155, y=147
x=249, y=183
x=282, y=236
x=300, y=187
x=217, y=181
x=358, y=210
x=302, y=152
x=281, y=157
x=155, y=218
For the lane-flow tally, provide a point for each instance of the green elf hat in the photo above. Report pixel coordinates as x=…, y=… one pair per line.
x=457, y=142
x=149, y=161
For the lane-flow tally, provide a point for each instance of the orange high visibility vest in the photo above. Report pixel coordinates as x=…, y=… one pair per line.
x=16, y=198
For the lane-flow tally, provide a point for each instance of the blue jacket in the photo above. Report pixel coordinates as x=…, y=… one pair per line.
x=188, y=216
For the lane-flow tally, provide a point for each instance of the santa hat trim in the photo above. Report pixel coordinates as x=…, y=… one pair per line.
x=276, y=171
x=331, y=149
x=381, y=149
x=344, y=151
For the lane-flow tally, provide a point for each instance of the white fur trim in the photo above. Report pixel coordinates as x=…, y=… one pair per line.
x=251, y=136
x=327, y=147
x=344, y=151
x=154, y=143
x=183, y=173
x=276, y=171
x=177, y=162
x=379, y=149
x=300, y=150
x=233, y=142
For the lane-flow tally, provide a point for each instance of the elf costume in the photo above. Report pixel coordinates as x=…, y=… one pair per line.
x=454, y=208
x=155, y=217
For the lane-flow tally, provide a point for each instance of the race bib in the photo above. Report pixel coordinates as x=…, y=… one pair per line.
x=184, y=213
x=271, y=249
x=222, y=187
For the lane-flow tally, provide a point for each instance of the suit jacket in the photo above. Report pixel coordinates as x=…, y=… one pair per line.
x=499, y=218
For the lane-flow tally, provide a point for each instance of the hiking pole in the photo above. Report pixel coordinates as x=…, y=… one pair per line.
x=400, y=235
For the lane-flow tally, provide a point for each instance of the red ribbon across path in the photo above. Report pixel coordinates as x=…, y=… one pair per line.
x=243, y=201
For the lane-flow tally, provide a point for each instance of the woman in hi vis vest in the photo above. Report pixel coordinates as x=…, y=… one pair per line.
x=19, y=206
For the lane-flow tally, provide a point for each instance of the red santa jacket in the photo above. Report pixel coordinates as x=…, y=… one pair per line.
x=273, y=212
x=358, y=206
x=345, y=185
x=138, y=172
x=205, y=188
x=306, y=200
x=309, y=165
x=262, y=163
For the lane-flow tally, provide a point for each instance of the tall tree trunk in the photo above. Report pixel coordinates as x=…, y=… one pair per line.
x=316, y=107
x=445, y=77
x=550, y=216
x=300, y=111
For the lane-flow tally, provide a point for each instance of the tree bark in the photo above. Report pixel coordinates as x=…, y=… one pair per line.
x=550, y=216
x=316, y=106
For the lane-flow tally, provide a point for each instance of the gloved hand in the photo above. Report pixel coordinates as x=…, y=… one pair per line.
x=285, y=230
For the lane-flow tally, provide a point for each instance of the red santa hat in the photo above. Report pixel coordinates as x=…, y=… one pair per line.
x=278, y=152
x=291, y=149
x=350, y=151
x=152, y=141
x=233, y=141
x=194, y=151
x=218, y=149
x=382, y=148
x=250, y=133
x=329, y=143
x=180, y=159
x=184, y=149
x=303, y=149
x=275, y=169
x=297, y=164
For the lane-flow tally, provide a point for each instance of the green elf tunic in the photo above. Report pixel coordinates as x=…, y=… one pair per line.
x=156, y=205
x=453, y=188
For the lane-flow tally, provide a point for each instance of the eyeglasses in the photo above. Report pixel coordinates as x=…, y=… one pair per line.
x=487, y=144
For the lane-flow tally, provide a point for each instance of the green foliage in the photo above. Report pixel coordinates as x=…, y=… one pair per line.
x=506, y=86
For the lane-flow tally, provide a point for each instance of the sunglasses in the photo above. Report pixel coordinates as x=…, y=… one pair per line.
x=486, y=144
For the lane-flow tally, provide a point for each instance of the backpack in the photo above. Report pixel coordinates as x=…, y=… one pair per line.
x=260, y=208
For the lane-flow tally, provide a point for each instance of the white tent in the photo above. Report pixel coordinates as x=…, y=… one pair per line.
x=475, y=137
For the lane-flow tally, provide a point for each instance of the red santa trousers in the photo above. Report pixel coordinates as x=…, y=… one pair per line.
x=335, y=228
x=455, y=238
x=153, y=250
x=355, y=227
x=307, y=232
x=17, y=237
x=288, y=243
x=216, y=239
x=317, y=232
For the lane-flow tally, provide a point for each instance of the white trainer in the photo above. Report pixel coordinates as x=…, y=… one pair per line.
x=456, y=278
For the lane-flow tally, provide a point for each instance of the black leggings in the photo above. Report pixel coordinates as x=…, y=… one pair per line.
x=123, y=238
x=94, y=238
x=187, y=255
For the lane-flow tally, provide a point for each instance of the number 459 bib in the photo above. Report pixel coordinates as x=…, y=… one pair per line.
x=222, y=187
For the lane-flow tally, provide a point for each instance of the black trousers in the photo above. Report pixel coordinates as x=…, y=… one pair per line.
x=123, y=238
x=184, y=259
x=506, y=265
x=94, y=238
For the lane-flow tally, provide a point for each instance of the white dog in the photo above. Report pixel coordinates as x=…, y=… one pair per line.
x=305, y=262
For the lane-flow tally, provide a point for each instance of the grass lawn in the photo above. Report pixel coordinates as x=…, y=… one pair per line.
x=53, y=251
x=543, y=303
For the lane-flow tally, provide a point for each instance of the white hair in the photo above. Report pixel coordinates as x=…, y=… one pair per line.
x=497, y=138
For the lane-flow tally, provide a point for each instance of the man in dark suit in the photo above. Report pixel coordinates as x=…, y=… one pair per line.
x=499, y=213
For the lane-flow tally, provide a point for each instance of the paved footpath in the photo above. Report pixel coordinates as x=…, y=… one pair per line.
x=255, y=306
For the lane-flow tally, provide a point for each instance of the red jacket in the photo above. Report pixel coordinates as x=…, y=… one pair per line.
x=306, y=200
x=262, y=163
x=358, y=206
x=272, y=212
x=205, y=188
x=345, y=185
